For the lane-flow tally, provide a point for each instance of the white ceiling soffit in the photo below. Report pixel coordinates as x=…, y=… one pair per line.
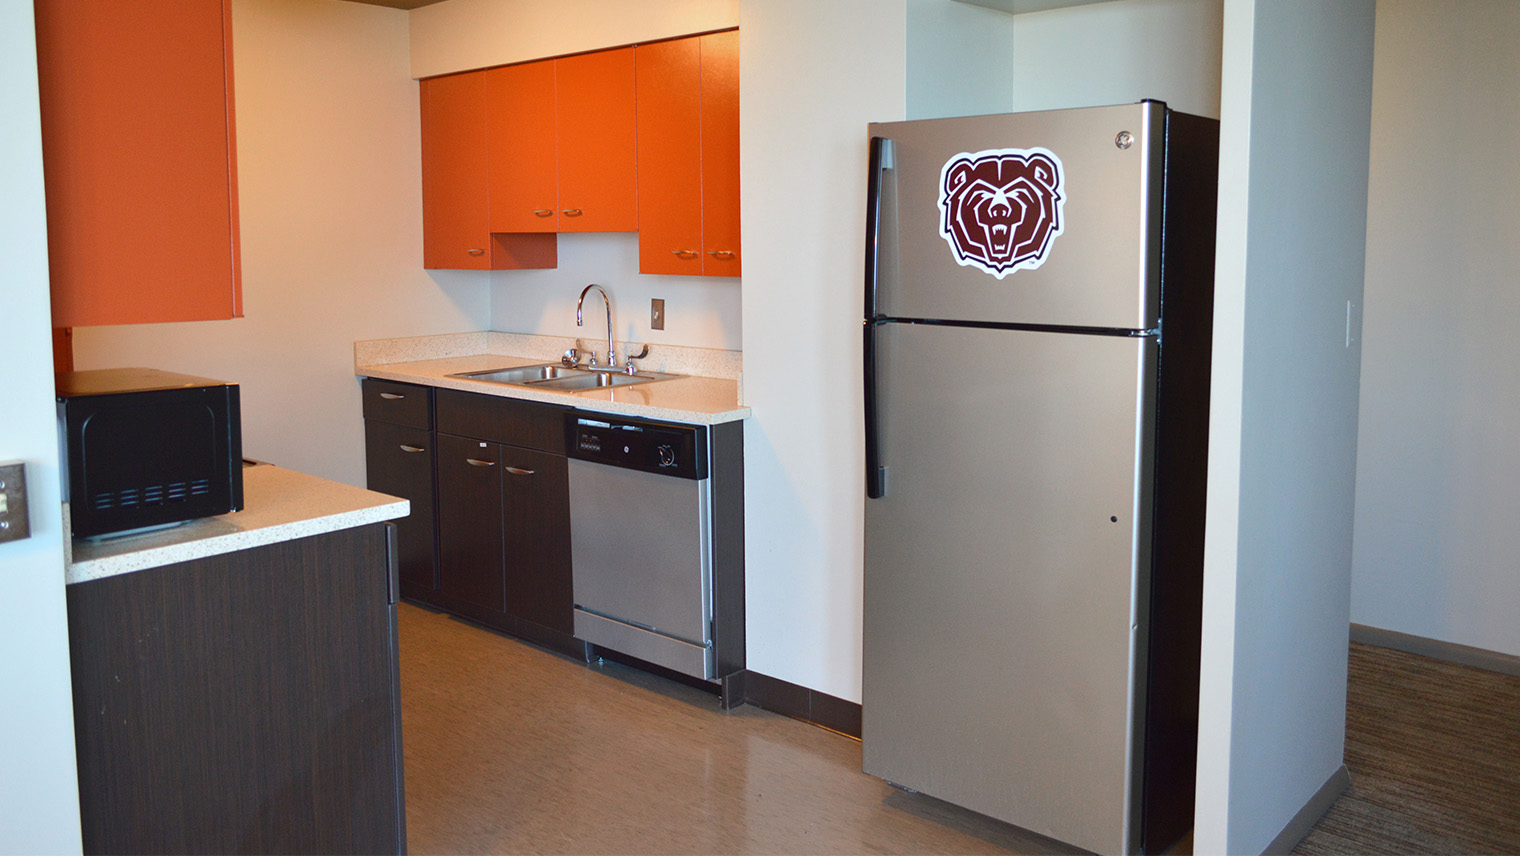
x=1017, y=6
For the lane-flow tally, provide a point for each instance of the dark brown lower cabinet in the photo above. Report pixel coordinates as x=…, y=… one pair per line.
x=470, y=522
x=242, y=703
x=503, y=533
x=399, y=461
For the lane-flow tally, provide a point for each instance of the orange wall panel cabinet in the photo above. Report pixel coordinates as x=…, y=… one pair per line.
x=720, y=154
x=139, y=165
x=670, y=157
x=523, y=145
x=456, y=229
x=455, y=233
x=598, y=189
x=688, y=112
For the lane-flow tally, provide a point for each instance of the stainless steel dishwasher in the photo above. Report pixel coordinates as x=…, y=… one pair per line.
x=641, y=517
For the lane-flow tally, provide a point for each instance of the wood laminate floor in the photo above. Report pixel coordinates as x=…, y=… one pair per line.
x=511, y=749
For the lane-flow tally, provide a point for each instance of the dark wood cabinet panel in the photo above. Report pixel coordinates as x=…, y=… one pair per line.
x=470, y=522
x=536, y=510
x=528, y=424
x=243, y=703
x=398, y=403
x=399, y=461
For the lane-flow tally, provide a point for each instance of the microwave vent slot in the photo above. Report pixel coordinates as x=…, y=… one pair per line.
x=151, y=495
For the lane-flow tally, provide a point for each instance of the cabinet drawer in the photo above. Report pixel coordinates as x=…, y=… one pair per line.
x=502, y=420
x=398, y=403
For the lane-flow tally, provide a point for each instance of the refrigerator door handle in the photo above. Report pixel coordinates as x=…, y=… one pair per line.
x=881, y=161
x=876, y=471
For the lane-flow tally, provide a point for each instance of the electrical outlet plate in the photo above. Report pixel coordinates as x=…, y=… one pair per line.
x=657, y=313
x=14, y=520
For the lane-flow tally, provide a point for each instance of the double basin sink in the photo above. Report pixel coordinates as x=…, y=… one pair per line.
x=564, y=378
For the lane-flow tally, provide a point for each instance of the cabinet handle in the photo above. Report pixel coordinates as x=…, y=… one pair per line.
x=543, y=212
x=476, y=252
x=721, y=254
x=391, y=396
x=517, y=471
x=572, y=212
x=406, y=448
x=685, y=254
x=476, y=462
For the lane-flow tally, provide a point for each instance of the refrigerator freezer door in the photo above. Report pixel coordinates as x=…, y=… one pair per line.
x=1002, y=614
x=1027, y=218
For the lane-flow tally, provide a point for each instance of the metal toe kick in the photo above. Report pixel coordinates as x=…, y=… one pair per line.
x=672, y=653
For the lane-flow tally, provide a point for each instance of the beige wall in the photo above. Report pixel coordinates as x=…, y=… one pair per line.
x=329, y=176
x=813, y=75
x=39, y=796
x=1438, y=472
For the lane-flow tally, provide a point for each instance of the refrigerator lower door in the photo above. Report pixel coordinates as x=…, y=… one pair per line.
x=1004, y=618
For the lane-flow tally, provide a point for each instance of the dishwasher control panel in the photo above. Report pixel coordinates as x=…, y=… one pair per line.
x=638, y=444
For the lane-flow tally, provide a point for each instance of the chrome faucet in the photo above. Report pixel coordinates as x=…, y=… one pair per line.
x=611, y=354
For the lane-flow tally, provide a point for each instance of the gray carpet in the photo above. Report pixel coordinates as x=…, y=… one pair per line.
x=1434, y=754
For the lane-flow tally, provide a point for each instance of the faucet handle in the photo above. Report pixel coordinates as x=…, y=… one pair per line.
x=571, y=358
x=592, y=361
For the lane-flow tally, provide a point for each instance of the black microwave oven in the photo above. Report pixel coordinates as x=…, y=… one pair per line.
x=147, y=448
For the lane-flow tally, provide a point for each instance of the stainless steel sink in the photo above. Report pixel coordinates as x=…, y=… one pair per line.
x=522, y=374
x=563, y=378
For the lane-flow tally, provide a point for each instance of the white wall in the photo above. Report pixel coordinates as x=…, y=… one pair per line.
x=960, y=59
x=465, y=34
x=964, y=60
x=1296, y=102
x=813, y=74
x=39, y=795
x=1120, y=52
x=329, y=183
x=700, y=311
x=1438, y=469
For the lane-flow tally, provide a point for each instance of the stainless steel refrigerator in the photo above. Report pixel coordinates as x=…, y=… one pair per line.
x=1039, y=294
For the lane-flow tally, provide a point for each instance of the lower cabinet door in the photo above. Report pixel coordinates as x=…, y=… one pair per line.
x=470, y=521
x=399, y=461
x=536, y=505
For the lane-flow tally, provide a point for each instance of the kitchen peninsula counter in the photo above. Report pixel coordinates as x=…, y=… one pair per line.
x=278, y=505
x=706, y=394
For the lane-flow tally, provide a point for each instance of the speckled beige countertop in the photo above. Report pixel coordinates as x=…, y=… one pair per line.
x=278, y=505
x=695, y=398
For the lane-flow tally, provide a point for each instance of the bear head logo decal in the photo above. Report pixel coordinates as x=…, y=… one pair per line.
x=1001, y=208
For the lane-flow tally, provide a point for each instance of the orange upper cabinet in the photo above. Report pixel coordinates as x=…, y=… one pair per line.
x=688, y=144
x=562, y=144
x=598, y=185
x=137, y=141
x=456, y=228
x=455, y=232
x=720, y=154
x=670, y=157
x=524, y=183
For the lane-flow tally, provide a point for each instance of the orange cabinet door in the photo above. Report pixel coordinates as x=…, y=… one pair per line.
x=455, y=234
x=598, y=189
x=670, y=157
x=137, y=140
x=520, y=128
x=720, y=154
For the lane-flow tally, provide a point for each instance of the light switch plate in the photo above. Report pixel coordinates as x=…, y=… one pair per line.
x=657, y=313
x=14, y=521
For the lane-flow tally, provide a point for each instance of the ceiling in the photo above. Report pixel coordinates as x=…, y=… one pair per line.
x=399, y=4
